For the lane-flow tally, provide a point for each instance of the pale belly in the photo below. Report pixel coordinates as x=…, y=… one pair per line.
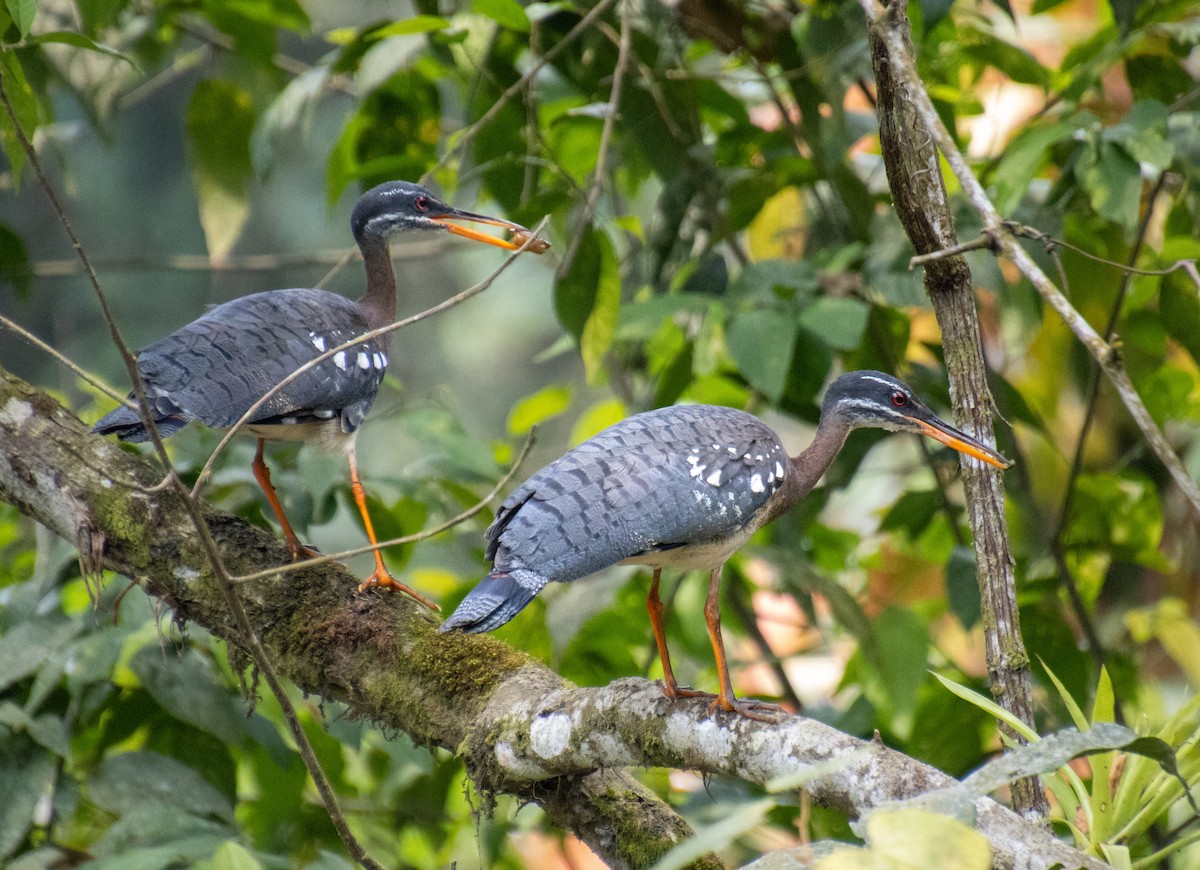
x=325, y=434
x=703, y=556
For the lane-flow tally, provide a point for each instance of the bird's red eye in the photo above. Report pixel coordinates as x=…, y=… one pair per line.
x=899, y=399
x=422, y=203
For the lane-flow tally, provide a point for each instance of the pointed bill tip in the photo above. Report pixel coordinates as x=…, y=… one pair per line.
x=963, y=443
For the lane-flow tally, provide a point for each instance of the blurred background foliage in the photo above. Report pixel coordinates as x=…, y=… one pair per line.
x=722, y=233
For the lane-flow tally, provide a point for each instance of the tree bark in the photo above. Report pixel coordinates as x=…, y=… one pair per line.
x=915, y=178
x=522, y=729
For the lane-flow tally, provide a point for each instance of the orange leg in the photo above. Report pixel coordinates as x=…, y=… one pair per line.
x=263, y=475
x=671, y=688
x=381, y=576
x=751, y=709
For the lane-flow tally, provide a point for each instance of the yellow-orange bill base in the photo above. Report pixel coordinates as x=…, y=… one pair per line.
x=963, y=444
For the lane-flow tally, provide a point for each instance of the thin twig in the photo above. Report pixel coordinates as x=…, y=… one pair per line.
x=406, y=539
x=473, y=290
x=1050, y=242
x=79, y=372
x=983, y=241
x=1102, y=351
x=245, y=629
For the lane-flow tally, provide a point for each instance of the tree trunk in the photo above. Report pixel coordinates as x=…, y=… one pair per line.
x=915, y=177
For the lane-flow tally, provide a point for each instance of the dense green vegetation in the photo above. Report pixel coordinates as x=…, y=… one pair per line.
x=722, y=233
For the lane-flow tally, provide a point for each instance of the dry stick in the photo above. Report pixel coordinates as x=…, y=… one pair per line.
x=468, y=133
x=473, y=290
x=614, y=102
x=923, y=207
x=78, y=371
x=1050, y=241
x=1101, y=351
x=259, y=655
x=406, y=539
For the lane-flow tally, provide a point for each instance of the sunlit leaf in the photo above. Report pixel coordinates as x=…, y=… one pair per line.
x=506, y=13
x=542, y=405
x=69, y=37
x=25, y=107
x=415, y=24
x=918, y=838
x=22, y=12
x=219, y=122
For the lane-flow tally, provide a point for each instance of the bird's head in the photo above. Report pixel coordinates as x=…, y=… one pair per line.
x=868, y=399
x=399, y=206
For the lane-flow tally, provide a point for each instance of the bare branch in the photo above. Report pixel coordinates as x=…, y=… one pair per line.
x=80, y=372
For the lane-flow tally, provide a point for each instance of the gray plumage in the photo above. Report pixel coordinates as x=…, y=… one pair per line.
x=214, y=368
x=681, y=486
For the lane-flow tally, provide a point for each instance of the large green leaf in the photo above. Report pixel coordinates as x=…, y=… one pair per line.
x=761, y=343
x=25, y=107
x=26, y=774
x=219, y=122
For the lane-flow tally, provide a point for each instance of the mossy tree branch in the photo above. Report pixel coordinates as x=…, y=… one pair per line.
x=524, y=730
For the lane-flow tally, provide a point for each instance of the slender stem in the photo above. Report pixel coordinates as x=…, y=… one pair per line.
x=78, y=371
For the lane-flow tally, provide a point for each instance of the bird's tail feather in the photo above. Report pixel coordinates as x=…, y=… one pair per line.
x=495, y=600
x=126, y=424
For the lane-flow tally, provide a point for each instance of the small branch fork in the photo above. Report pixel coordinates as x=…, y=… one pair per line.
x=246, y=633
x=904, y=69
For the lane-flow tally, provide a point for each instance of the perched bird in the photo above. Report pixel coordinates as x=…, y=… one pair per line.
x=680, y=487
x=215, y=368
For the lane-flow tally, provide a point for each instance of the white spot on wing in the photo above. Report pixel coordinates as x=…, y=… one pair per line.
x=364, y=360
x=318, y=341
x=714, y=478
x=698, y=470
x=756, y=484
x=339, y=360
x=779, y=470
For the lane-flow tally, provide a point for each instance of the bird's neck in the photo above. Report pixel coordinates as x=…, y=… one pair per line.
x=379, y=301
x=805, y=470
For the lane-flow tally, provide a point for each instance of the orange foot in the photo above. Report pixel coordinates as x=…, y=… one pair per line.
x=675, y=691
x=381, y=579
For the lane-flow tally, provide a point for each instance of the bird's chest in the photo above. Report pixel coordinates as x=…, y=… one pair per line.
x=326, y=434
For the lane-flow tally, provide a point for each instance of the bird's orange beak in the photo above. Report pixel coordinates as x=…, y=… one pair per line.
x=519, y=234
x=960, y=441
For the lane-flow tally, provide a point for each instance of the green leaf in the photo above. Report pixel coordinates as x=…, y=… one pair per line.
x=25, y=107
x=900, y=638
x=919, y=838
x=22, y=12
x=506, y=13
x=1113, y=182
x=962, y=586
x=219, y=122
x=28, y=644
x=231, y=855
x=601, y=325
x=545, y=403
x=15, y=268
x=70, y=37
x=185, y=687
x=135, y=780
x=989, y=706
x=26, y=774
x=415, y=24
x=47, y=730
x=1022, y=159
x=933, y=11
x=840, y=323
x=772, y=280
x=761, y=343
